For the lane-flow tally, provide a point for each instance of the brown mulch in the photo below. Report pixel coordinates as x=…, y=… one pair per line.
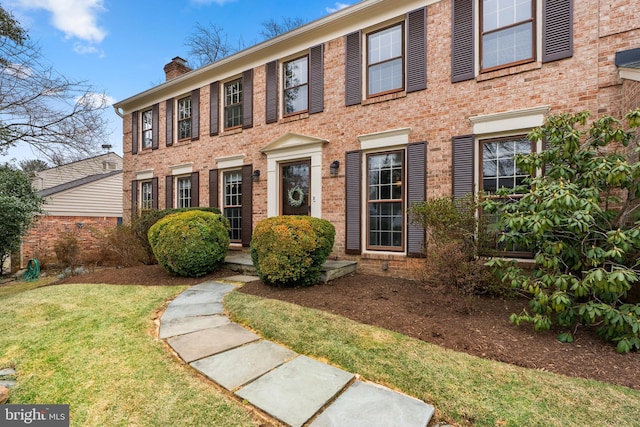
x=475, y=325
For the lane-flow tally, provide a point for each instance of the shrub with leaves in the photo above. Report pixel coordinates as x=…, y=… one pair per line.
x=290, y=250
x=578, y=218
x=192, y=243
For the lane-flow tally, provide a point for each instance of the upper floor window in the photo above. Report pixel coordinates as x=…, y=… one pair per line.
x=296, y=85
x=184, y=118
x=385, y=60
x=508, y=32
x=233, y=104
x=147, y=129
x=184, y=191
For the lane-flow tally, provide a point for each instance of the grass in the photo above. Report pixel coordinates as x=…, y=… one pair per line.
x=464, y=389
x=91, y=346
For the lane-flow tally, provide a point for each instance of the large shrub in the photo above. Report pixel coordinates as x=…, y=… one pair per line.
x=579, y=219
x=192, y=243
x=290, y=250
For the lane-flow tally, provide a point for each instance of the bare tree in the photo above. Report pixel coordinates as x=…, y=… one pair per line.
x=208, y=44
x=273, y=28
x=40, y=107
x=31, y=166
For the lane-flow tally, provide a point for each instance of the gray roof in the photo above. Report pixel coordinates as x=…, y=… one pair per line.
x=77, y=183
x=628, y=58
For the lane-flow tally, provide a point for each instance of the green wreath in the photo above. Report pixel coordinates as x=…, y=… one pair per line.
x=296, y=196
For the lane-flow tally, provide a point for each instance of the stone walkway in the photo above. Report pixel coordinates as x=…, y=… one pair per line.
x=291, y=388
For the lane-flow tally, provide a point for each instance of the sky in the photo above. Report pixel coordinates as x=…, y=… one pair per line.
x=121, y=46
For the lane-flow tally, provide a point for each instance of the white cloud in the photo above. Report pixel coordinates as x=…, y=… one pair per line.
x=76, y=18
x=337, y=7
x=96, y=100
x=84, y=49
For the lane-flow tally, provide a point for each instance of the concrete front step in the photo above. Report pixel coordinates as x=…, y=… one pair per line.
x=331, y=270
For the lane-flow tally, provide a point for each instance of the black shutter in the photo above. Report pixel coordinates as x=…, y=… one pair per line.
x=463, y=31
x=195, y=114
x=417, y=50
x=134, y=132
x=247, y=204
x=134, y=199
x=463, y=165
x=155, y=112
x=557, y=29
x=169, y=122
x=195, y=189
x=214, y=108
x=247, y=99
x=352, y=194
x=353, y=69
x=272, y=92
x=154, y=193
x=316, y=79
x=213, y=188
x=416, y=193
x=169, y=192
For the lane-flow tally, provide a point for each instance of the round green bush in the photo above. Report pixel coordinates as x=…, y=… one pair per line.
x=190, y=244
x=290, y=250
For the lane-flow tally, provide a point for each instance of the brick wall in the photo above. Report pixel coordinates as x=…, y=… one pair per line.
x=587, y=81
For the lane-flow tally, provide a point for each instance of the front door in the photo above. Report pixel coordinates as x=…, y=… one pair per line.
x=295, y=188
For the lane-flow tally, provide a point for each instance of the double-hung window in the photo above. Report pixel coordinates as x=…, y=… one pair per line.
x=296, y=86
x=147, y=129
x=184, y=192
x=385, y=60
x=508, y=32
x=146, y=196
x=385, y=201
x=232, y=207
x=233, y=104
x=184, y=118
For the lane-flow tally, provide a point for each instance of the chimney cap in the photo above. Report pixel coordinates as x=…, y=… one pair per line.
x=179, y=60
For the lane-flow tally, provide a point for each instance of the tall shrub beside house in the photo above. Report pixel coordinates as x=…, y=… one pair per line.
x=192, y=243
x=290, y=250
x=580, y=219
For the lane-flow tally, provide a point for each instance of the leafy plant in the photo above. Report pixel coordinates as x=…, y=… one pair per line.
x=577, y=218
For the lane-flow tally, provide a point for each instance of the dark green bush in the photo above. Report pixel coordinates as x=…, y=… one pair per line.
x=290, y=250
x=141, y=225
x=192, y=243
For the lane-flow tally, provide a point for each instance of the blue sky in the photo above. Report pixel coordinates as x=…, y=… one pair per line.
x=121, y=46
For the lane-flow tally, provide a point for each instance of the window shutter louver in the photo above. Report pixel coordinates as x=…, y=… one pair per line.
x=416, y=193
x=463, y=165
x=195, y=189
x=213, y=188
x=353, y=200
x=134, y=199
x=557, y=29
x=195, y=114
x=154, y=193
x=214, y=108
x=316, y=79
x=169, y=122
x=155, y=112
x=168, y=192
x=462, y=44
x=247, y=205
x=272, y=92
x=247, y=99
x=134, y=132
x=353, y=69
x=417, y=50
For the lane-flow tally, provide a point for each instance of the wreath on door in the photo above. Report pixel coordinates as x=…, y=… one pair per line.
x=296, y=196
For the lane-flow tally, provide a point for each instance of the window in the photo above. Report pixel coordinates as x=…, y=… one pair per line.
x=385, y=201
x=147, y=129
x=232, y=203
x=184, y=192
x=499, y=168
x=184, y=118
x=296, y=85
x=385, y=61
x=508, y=32
x=146, y=196
x=233, y=104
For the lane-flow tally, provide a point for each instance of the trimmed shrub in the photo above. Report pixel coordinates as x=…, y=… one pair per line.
x=192, y=243
x=290, y=250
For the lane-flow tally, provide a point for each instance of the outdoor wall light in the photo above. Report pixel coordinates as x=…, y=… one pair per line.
x=256, y=175
x=333, y=168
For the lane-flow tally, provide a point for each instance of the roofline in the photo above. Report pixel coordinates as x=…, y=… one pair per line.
x=83, y=160
x=77, y=183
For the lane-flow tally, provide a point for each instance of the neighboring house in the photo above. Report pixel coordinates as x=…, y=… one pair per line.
x=82, y=198
x=359, y=114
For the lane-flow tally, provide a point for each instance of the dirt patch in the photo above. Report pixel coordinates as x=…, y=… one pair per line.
x=477, y=326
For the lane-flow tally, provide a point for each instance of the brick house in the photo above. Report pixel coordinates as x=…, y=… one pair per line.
x=357, y=115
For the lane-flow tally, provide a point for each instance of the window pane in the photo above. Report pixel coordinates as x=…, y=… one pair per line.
x=296, y=73
x=385, y=224
x=502, y=13
x=386, y=76
x=296, y=99
x=184, y=129
x=146, y=196
x=184, y=192
x=233, y=116
x=385, y=45
x=500, y=169
x=184, y=108
x=508, y=45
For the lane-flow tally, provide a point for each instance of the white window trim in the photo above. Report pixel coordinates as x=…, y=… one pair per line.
x=144, y=175
x=183, y=169
x=229, y=162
